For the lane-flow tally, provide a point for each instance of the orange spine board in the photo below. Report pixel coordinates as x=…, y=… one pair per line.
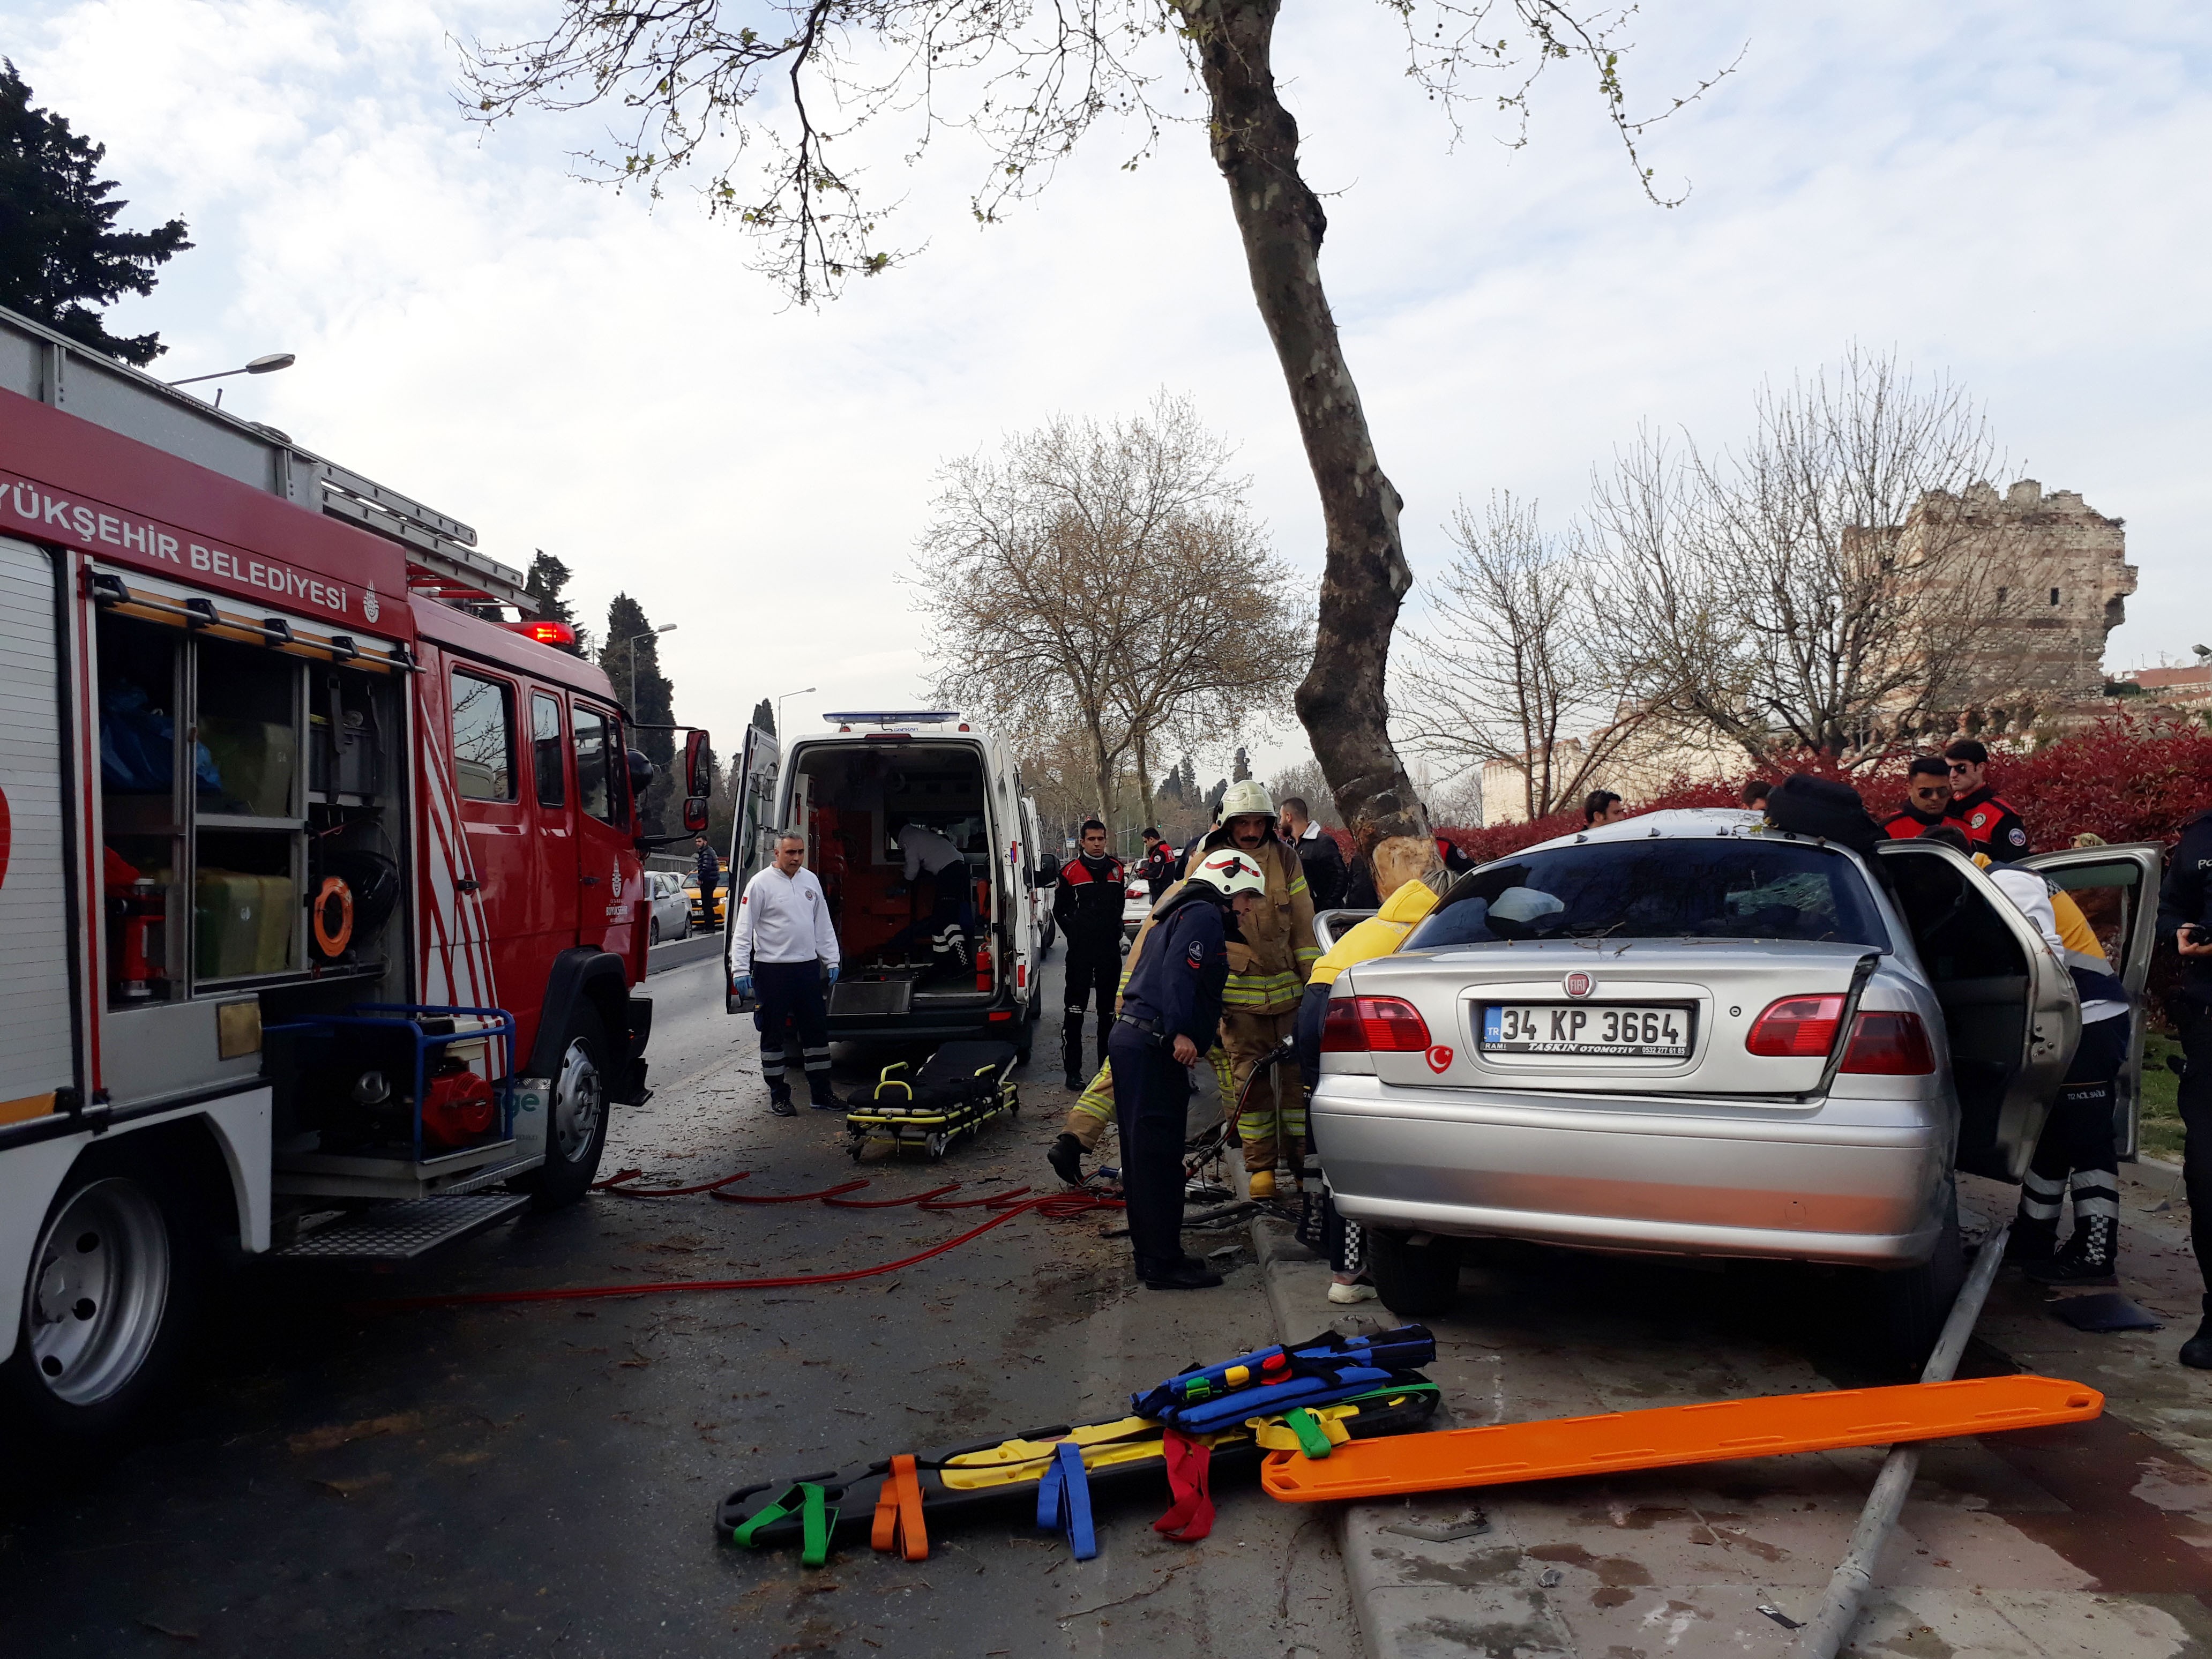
x=1718, y=1431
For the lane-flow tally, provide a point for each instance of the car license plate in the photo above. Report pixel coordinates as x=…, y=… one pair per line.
x=1636, y=1033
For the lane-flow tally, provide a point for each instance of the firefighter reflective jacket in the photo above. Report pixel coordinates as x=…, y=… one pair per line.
x=1274, y=949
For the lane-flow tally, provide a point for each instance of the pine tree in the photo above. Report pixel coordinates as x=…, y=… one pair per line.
x=1241, y=769
x=653, y=703
x=764, y=716
x=61, y=257
x=547, y=579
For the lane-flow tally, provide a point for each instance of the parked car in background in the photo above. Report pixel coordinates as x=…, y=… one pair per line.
x=697, y=911
x=672, y=908
x=1136, y=905
x=1688, y=1034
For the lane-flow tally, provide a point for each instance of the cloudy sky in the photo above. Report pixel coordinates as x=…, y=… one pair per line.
x=2011, y=194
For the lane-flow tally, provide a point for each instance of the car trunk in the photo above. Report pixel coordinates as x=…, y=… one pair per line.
x=1677, y=1013
x=851, y=798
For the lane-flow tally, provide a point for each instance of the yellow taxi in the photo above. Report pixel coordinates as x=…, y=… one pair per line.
x=699, y=916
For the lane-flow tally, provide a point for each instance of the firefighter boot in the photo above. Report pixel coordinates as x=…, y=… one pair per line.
x=1066, y=1157
x=779, y=1099
x=2089, y=1257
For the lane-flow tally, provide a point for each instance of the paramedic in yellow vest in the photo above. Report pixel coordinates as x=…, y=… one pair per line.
x=1379, y=935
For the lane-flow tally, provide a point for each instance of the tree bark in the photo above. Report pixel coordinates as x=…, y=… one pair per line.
x=1342, y=701
x=1144, y=779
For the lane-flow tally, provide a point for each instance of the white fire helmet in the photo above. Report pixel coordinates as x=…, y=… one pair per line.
x=1232, y=871
x=1249, y=796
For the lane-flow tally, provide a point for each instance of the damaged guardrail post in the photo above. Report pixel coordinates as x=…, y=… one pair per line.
x=1823, y=1637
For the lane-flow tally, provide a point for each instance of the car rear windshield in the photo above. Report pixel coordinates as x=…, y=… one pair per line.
x=1674, y=888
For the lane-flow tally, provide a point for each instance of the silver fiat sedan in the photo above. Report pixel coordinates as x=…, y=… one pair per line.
x=1689, y=1034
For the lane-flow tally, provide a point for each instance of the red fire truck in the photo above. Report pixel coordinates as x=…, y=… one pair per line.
x=320, y=876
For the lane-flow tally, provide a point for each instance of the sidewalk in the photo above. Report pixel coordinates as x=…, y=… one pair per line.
x=2089, y=1542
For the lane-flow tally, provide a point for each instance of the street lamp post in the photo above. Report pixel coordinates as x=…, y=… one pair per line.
x=780, y=701
x=631, y=644
x=267, y=364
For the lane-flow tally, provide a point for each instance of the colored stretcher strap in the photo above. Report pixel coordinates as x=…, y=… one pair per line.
x=1190, y=1469
x=898, y=1524
x=818, y=1519
x=1312, y=1440
x=1064, y=1500
x=1671, y=1436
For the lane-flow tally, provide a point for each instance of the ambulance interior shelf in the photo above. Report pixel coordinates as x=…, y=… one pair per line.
x=215, y=845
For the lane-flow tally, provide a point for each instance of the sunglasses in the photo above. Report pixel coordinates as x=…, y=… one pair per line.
x=1931, y=789
x=1959, y=766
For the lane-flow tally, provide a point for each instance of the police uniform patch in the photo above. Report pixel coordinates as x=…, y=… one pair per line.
x=2019, y=837
x=1978, y=819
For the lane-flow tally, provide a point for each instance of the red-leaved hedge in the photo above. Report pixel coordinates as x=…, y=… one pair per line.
x=2132, y=777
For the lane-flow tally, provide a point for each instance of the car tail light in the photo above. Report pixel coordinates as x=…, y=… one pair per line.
x=1796, y=1028
x=1890, y=1045
x=1380, y=1025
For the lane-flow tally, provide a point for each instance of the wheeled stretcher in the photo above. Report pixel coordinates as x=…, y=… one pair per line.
x=959, y=1089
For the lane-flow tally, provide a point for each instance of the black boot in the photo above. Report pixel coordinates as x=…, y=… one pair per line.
x=2088, y=1258
x=2197, y=1352
x=1071, y=1047
x=2030, y=1241
x=779, y=1100
x=1066, y=1157
x=1187, y=1274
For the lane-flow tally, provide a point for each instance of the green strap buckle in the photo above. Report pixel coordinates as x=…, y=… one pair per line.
x=818, y=1519
x=1312, y=1441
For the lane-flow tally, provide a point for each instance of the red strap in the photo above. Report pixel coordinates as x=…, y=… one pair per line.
x=898, y=1523
x=1190, y=1464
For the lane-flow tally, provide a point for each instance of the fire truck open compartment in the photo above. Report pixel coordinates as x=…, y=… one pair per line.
x=852, y=798
x=253, y=812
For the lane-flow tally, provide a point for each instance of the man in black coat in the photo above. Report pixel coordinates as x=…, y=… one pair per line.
x=1087, y=906
x=1319, y=855
x=708, y=868
x=2185, y=926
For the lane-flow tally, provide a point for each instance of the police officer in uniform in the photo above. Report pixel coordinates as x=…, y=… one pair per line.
x=1171, y=1009
x=1087, y=907
x=1927, y=804
x=1991, y=825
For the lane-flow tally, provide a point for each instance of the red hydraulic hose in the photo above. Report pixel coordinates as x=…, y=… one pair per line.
x=1061, y=1206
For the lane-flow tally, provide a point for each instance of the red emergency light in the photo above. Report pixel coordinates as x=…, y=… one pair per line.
x=546, y=633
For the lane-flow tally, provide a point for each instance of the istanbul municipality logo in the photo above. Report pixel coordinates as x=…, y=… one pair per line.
x=369, y=605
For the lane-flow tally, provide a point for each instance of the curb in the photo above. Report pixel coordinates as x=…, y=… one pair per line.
x=1404, y=1591
x=681, y=953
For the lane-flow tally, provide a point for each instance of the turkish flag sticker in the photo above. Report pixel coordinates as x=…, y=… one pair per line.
x=1440, y=1059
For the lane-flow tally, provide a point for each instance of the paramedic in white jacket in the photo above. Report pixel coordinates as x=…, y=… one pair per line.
x=779, y=948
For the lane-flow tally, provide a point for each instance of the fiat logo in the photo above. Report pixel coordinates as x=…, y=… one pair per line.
x=1578, y=985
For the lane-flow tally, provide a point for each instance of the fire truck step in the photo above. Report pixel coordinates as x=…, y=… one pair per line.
x=401, y=1231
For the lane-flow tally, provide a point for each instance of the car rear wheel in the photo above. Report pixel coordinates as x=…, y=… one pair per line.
x=113, y=1283
x=1908, y=1308
x=1414, y=1279
x=652, y=932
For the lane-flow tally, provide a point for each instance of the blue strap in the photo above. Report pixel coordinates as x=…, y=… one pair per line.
x=1064, y=1500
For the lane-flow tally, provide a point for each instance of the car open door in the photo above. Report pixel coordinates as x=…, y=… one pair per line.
x=2116, y=888
x=753, y=791
x=2009, y=1003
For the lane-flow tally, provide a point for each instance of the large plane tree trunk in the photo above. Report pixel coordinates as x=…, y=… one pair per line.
x=1341, y=700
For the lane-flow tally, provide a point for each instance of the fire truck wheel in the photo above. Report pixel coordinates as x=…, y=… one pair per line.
x=577, y=1131
x=108, y=1308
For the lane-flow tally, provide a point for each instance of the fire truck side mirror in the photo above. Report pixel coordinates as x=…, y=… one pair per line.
x=698, y=779
x=694, y=814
